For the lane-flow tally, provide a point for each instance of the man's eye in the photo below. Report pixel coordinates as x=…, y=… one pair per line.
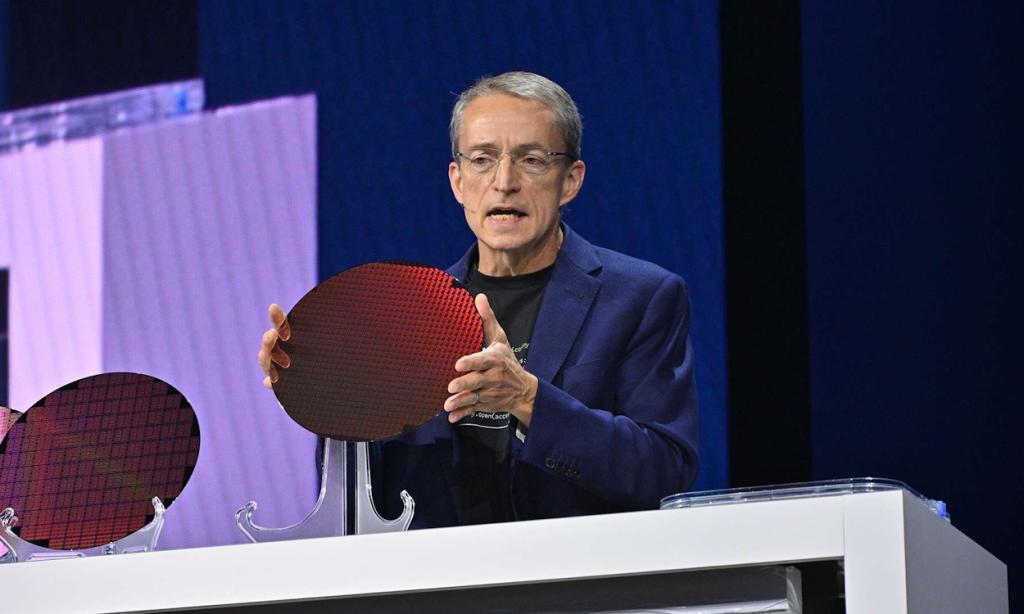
x=533, y=162
x=481, y=159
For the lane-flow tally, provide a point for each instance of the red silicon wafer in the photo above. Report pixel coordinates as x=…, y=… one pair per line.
x=373, y=348
x=81, y=466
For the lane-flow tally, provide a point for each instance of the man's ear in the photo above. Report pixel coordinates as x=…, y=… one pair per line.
x=455, y=179
x=572, y=182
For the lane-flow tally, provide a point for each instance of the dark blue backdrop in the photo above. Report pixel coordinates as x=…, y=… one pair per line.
x=913, y=126
x=3, y=55
x=385, y=74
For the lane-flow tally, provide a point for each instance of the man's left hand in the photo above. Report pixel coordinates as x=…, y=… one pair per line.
x=494, y=381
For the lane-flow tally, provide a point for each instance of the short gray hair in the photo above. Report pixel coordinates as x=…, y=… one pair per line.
x=530, y=86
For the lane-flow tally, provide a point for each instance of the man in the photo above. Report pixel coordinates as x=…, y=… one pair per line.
x=583, y=399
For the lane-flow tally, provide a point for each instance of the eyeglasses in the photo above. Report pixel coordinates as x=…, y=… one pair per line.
x=533, y=162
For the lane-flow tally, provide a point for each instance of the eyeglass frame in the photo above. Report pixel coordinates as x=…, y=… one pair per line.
x=459, y=156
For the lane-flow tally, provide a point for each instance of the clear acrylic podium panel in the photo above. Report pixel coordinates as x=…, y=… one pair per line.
x=799, y=490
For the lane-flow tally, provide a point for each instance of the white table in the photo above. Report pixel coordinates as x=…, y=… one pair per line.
x=897, y=555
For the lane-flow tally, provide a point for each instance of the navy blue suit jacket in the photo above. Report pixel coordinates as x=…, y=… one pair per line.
x=614, y=426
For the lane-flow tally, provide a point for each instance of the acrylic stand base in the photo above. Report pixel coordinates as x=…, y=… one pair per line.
x=143, y=540
x=328, y=518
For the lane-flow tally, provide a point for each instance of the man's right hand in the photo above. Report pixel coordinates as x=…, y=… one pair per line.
x=271, y=356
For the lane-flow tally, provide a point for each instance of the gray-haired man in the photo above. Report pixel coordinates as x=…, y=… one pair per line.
x=583, y=399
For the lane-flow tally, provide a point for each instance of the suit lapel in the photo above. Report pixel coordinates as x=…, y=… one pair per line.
x=566, y=303
x=564, y=308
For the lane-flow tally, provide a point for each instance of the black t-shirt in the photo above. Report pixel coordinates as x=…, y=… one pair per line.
x=484, y=437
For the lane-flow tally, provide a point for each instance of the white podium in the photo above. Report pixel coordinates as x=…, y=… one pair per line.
x=894, y=553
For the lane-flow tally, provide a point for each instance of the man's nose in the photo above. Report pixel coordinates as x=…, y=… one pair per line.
x=506, y=177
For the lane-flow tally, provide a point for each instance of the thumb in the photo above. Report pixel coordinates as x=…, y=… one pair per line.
x=280, y=322
x=493, y=332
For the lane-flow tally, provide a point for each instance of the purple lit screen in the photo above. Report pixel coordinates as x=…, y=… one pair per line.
x=157, y=250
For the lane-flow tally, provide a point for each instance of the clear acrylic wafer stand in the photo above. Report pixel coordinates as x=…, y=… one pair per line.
x=328, y=518
x=143, y=540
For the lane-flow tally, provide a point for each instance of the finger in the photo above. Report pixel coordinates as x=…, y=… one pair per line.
x=493, y=332
x=269, y=339
x=465, y=398
x=266, y=348
x=471, y=381
x=459, y=414
x=271, y=377
x=280, y=357
x=480, y=361
x=280, y=322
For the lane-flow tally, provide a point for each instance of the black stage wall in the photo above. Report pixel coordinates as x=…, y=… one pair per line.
x=913, y=129
x=4, y=41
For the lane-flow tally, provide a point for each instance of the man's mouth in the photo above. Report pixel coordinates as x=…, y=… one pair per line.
x=505, y=214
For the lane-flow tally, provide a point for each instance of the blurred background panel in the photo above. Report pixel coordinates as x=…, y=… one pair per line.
x=155, y=249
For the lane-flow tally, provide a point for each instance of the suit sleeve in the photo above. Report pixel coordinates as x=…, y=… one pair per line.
x=645, y=447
